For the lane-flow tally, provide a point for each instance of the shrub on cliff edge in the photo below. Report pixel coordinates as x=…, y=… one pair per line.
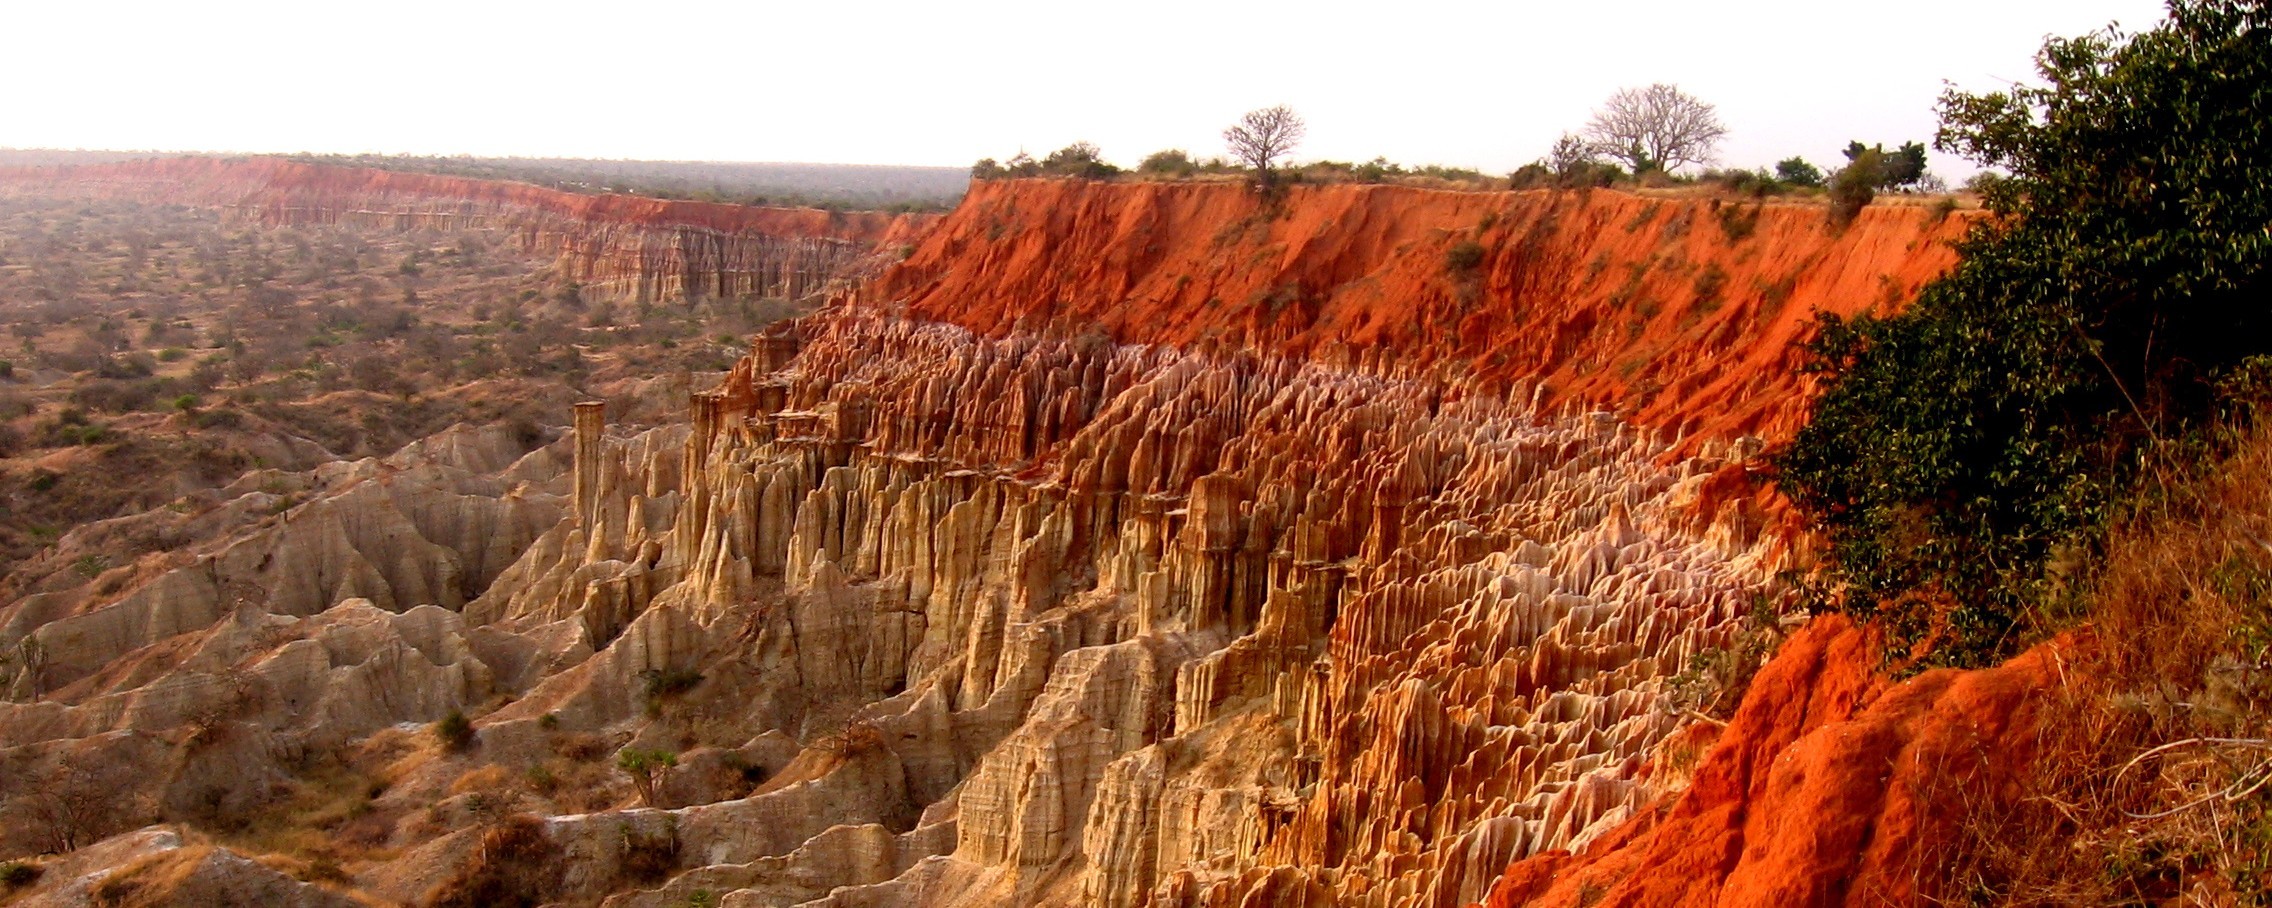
x=1964, y=447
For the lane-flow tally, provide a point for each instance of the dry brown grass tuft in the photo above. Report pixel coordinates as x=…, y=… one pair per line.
x=2151, y=786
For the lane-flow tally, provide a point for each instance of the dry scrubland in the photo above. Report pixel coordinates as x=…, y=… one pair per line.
x=153, y=351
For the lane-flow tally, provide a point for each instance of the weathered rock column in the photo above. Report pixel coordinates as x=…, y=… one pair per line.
x=591, y=422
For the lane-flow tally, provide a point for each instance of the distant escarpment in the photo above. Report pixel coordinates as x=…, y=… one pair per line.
x=632, y=246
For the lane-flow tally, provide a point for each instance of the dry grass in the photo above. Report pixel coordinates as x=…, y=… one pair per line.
x=514, y=865
x=2150, y=785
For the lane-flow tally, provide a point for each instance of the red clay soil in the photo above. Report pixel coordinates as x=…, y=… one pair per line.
x=1681, y=312
x=275, y=187
x=1828, y=787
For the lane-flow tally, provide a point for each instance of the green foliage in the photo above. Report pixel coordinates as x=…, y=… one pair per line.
x=1738, y=220
x=1901, y=168
x=7, y=369
x=1173, y=162
x=17, y=874
x=1853, y=187
x=1463, y=258
x=90, y=566
x=646, y=768
x=454, y=731
x=1080, y=159
x=1965, y=445
x=1797, y=172
x=658, y=685
x=1754, y=183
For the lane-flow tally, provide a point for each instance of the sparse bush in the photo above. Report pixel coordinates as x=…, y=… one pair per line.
x=648, y=858
x=90, y=566
x=454, y=731
x=1172, y=162
x=540, y=779
x=1797, y=172
x=1080, y=159
x=645, y=769
x=17, y=874
x=1738, y=220
x=658, y=685
x=514, y=866
x=1853, y=187
x=1463, y=258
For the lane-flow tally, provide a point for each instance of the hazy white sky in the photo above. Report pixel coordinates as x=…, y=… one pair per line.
x=1476, y=84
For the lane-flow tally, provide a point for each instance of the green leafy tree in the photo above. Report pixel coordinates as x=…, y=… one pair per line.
x=1901, y=168
x=1961, y=445
x=646, y=769
x=1797, y=172
x=1854, y=186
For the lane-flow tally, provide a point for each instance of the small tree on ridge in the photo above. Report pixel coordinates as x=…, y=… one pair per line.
x=1658, y=128
x=1263, y=136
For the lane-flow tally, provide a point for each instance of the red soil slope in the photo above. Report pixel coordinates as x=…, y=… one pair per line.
x=1679, y=311
x=1828, y=787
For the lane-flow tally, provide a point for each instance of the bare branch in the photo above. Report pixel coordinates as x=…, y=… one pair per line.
x=1263, y=136
x=1654, y=128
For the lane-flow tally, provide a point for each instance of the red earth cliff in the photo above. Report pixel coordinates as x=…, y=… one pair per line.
x=640, y=247
x=1830, y=786
x=1679, y=312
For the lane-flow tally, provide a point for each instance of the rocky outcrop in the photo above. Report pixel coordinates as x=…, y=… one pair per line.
x=635, y=247
x=1157, y=622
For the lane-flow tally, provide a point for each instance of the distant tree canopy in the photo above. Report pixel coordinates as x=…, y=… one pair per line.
x=1171, y=162
x=1797, y=172
x=2101, y=321
x=833, y=186
x=1080, y=159
x=1900, y=168
x=1658, y=128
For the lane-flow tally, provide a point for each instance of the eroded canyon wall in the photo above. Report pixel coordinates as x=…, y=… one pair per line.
x=1150, y=544
x=633, y=246
x=1676, y=312
x=1151, y=598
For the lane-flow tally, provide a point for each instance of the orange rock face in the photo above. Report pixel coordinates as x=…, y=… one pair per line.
x=641, y=247
x=1678, y=312
x=1829, y=787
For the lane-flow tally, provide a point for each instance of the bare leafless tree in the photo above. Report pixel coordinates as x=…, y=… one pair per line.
x=1655, y=128
x=1263, y=136
x=73, y=807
